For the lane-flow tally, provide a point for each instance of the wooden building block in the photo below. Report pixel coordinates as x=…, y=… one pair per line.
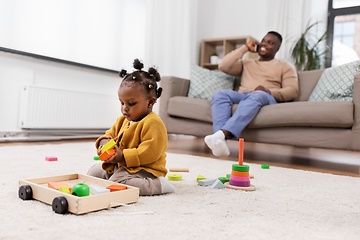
x=217, y=184
x=114, y=188
x=178, y=169
x=107, y=154
x=58, y=185
x=206, y=182
x=200, y=177
x=98, y=190
x=65, y=189
x=51, y=158
x=109, y=145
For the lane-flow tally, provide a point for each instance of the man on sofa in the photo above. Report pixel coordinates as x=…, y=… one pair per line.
x=264, y=81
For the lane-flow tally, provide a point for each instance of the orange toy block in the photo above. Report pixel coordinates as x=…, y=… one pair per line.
x=58, y=185
x=114, y=188
x=107, y=154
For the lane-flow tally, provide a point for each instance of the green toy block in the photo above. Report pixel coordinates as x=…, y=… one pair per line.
x=96, y=158
x=265, y=166
x=200, y=177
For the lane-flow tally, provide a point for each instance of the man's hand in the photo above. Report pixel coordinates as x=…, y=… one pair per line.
x=262, y=88
x=118, y=157
x=251, y=45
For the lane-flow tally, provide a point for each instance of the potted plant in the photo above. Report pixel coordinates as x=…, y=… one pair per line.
x=214, y=57
x=307, y=56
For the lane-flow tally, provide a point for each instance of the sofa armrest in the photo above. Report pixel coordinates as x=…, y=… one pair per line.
x=172, y=86
x=356, y=127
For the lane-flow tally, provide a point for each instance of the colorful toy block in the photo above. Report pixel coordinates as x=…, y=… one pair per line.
x=265, y=166
x=206, y=182
x=65, y=189
x=96, y=158
x=107, y=154
x=178, y=169
x=51, y=159
x=109, y=145
x=200, y=177
x=224, y=179
x=217, y=185
x=114, y=188
x=58, y=185
x=98, y=190
x=80, y=190
x=174, y=177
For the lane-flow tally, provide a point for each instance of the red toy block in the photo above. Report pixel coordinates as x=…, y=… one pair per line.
x=51, y=159
x=107, y=154
x=114, y=188
x=58, y=185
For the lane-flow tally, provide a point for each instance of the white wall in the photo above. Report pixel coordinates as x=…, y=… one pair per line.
x=17, y=71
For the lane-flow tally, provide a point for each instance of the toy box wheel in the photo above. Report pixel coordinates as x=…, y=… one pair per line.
x=60, y=205
x=25, y=192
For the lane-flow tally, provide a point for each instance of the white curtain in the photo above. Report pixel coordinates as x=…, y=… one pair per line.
x=289, y=18
x=108, y=34
x=170, y=36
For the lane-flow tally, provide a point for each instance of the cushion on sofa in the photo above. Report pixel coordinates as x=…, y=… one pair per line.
x=336, y=83
x=203, y=82
x=184, y=107
x=305, y=114
x=338, y=114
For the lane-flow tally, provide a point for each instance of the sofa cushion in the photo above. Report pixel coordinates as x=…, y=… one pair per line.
x=338, y=114
x=203, y=82
x=305, y=114
x=184, y=107
x=336, y=83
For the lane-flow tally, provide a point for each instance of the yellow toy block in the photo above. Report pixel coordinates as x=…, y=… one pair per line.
x=200, y=177
x=64, y=189
x=109, y=145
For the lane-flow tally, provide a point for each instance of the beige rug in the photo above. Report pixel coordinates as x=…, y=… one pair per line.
x=287, y=204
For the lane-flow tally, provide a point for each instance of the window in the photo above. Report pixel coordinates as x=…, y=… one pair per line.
x=343, y=32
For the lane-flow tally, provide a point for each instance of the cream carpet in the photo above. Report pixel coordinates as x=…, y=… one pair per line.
x=287, y=204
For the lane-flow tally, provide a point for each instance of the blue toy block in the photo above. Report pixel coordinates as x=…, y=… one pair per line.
x=206, y=182
x=217, y=184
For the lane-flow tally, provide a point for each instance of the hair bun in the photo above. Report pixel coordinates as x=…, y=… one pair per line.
x=155, y=73
x=138, y=65
x=123, y=73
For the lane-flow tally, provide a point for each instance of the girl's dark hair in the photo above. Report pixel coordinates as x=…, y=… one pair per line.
x=147, y=79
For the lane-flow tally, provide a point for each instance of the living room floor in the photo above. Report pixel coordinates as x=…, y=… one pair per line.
x=340, y=162
x=320, y=160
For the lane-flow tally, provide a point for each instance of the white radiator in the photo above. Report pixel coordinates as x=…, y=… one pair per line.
x=46, y=108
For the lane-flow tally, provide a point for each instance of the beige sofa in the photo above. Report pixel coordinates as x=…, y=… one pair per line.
x=299, y=123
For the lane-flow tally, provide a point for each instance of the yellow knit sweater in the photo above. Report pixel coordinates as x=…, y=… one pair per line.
x=143, y=144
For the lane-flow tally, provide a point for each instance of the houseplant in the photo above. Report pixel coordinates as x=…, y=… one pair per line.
x=214, y=57
x=306, y=53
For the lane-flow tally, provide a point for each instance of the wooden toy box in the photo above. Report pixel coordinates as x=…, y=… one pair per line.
x=81, y=205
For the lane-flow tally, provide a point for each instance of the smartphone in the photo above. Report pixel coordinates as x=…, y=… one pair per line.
x=256, y=48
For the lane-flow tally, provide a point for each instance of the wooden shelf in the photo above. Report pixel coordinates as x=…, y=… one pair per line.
x=222, y=46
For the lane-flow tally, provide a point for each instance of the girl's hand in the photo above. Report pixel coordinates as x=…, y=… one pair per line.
x=118, y=157
x=102, y=143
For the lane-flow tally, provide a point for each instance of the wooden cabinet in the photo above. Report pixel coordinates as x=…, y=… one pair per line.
x=222, y=46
